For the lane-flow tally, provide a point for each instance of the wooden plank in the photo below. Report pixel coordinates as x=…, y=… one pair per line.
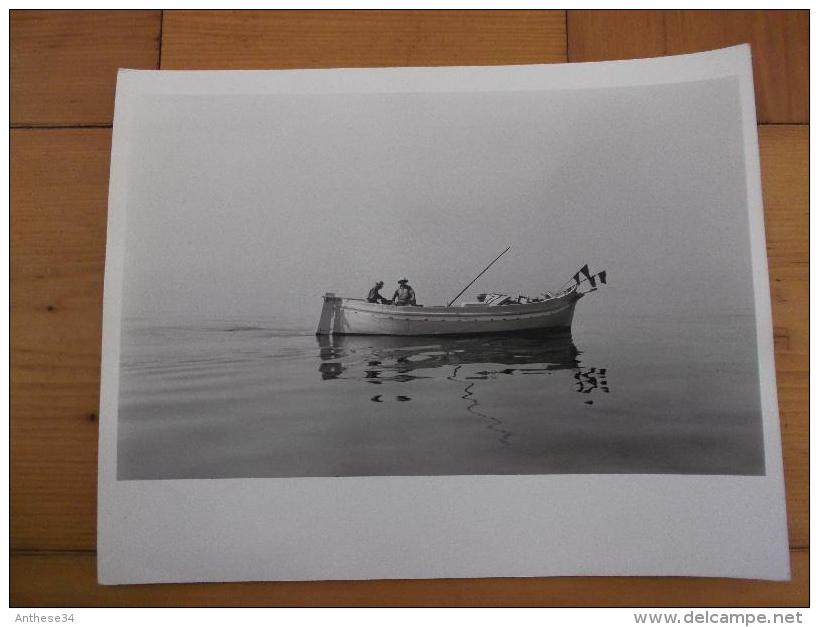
x=59, y=183
x=607, y=35
x=70, y=581
x=320, y=39
x=58, y=221
x=779, y=41
x=64, y=63
x=784, y=160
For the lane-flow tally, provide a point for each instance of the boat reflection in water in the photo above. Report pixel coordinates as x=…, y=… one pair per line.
x=466, y=360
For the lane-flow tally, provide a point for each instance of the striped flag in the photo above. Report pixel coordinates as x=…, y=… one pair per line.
x=583, y=275
x=584, y=271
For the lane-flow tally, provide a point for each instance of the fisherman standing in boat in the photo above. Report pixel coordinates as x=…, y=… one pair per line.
x=404, y=295
x=375, y=295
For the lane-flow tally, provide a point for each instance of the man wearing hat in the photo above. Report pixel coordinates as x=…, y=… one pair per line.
x=404, y=295
x=375, y=295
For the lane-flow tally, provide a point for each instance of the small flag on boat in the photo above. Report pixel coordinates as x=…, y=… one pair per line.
x=585, y=272
x=583, y=275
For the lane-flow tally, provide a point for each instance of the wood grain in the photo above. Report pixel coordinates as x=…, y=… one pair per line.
x=784, y=160
x=64, y=63
x=316, y=39
x=58, y=219
x=70, y=581
x=779, y=42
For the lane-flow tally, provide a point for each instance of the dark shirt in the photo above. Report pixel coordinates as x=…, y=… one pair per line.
x=375, y=297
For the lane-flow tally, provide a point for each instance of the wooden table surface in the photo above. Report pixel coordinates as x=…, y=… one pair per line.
x=63, y=67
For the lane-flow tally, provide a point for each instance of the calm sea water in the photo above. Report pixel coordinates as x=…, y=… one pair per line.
x=639, y=395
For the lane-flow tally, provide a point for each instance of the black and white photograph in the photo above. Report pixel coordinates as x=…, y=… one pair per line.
x=322, y=280
x=447, y=284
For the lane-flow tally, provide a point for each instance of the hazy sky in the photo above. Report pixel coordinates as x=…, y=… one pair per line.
x=256, y=205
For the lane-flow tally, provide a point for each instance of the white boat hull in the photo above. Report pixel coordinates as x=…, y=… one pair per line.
x=347, y=316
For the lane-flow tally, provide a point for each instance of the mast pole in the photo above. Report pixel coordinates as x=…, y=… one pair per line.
x=449, y=304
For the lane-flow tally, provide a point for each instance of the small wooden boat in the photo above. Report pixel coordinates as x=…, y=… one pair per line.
x=353, y=316
x=494, y=313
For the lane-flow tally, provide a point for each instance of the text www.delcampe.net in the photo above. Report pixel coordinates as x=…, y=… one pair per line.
x=718, y=618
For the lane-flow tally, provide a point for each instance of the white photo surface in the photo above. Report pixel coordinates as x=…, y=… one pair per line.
x=294, y=388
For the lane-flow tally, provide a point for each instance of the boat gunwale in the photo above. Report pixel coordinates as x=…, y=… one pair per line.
x=522, y=310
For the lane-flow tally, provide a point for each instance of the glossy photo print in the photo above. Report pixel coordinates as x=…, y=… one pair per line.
x=438, y=275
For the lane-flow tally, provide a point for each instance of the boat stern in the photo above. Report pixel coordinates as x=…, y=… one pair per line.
x=329, y=318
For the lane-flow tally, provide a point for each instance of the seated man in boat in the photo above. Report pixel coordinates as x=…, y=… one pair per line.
x=375, y=295
x=404, y=295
